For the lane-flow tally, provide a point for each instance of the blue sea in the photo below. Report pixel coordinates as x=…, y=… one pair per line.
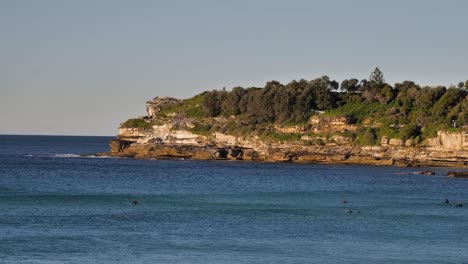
x=59, y=207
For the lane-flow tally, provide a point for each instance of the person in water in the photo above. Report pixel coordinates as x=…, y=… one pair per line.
x=135, y=202
x=349, y=211
x=446, y=201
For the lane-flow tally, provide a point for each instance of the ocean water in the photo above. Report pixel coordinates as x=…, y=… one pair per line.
x=58, y=207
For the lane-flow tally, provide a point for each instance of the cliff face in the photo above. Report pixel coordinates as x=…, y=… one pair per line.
x=447, y=149
x=449, y=142
x=177, y=137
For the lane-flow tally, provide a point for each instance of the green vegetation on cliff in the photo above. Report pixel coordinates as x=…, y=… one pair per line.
x=136, y=123
x=189, y=107
x=404, y=111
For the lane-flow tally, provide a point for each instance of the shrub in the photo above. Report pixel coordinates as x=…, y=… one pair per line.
x=195, y=112
x=367, y=138
x=201, y=129
x=409, y=131
x=136, y=123
x=359, y=111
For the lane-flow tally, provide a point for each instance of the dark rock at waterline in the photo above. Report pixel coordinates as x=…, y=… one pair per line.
x=221, y=153
x=237, y=152
x=425, y=172
x=118, y=145
x=455, y=174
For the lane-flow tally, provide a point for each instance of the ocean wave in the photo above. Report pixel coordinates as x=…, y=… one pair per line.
x=68, y=155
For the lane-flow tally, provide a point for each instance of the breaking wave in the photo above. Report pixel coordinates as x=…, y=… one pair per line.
x=68, y=155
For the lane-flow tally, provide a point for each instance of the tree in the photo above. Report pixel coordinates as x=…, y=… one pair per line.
x=445, y=104
x=363, y=85
x=304, y=103
x=385, y=95
x=212, y=102
x=353, y=84
x=231, y=104
x=322, y=95
x=344, y=85
x=460, y=85
x=377, y=76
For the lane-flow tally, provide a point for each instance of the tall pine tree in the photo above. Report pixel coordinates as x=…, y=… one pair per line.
x=377, y=76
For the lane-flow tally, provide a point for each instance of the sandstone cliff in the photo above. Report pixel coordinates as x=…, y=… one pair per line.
x=175, y=136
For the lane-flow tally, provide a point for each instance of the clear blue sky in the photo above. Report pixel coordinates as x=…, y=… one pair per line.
x=82, y=67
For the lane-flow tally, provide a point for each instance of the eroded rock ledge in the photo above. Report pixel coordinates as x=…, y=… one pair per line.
x=163, y=143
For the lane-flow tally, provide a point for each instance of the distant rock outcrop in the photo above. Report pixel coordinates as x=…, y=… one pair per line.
x=331, y=123
x=154, y=106
x=459, y=174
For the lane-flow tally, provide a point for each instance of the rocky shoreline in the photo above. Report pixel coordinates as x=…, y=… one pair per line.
x=324, y=139
x=375, y=155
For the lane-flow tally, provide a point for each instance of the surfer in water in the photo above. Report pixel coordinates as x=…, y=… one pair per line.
x=135, y=202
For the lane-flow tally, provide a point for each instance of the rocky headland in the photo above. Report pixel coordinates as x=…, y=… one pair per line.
x=167, y=132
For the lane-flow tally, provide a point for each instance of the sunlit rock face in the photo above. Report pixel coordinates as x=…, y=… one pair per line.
x=173, y=135
x=154, y=106
x=449, y=141
x=166, y=142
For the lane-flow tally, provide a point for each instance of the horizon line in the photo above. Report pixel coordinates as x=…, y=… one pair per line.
x=54, y=135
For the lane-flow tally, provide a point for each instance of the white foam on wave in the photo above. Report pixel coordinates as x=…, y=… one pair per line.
x=69, y=155
x=66, y=156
